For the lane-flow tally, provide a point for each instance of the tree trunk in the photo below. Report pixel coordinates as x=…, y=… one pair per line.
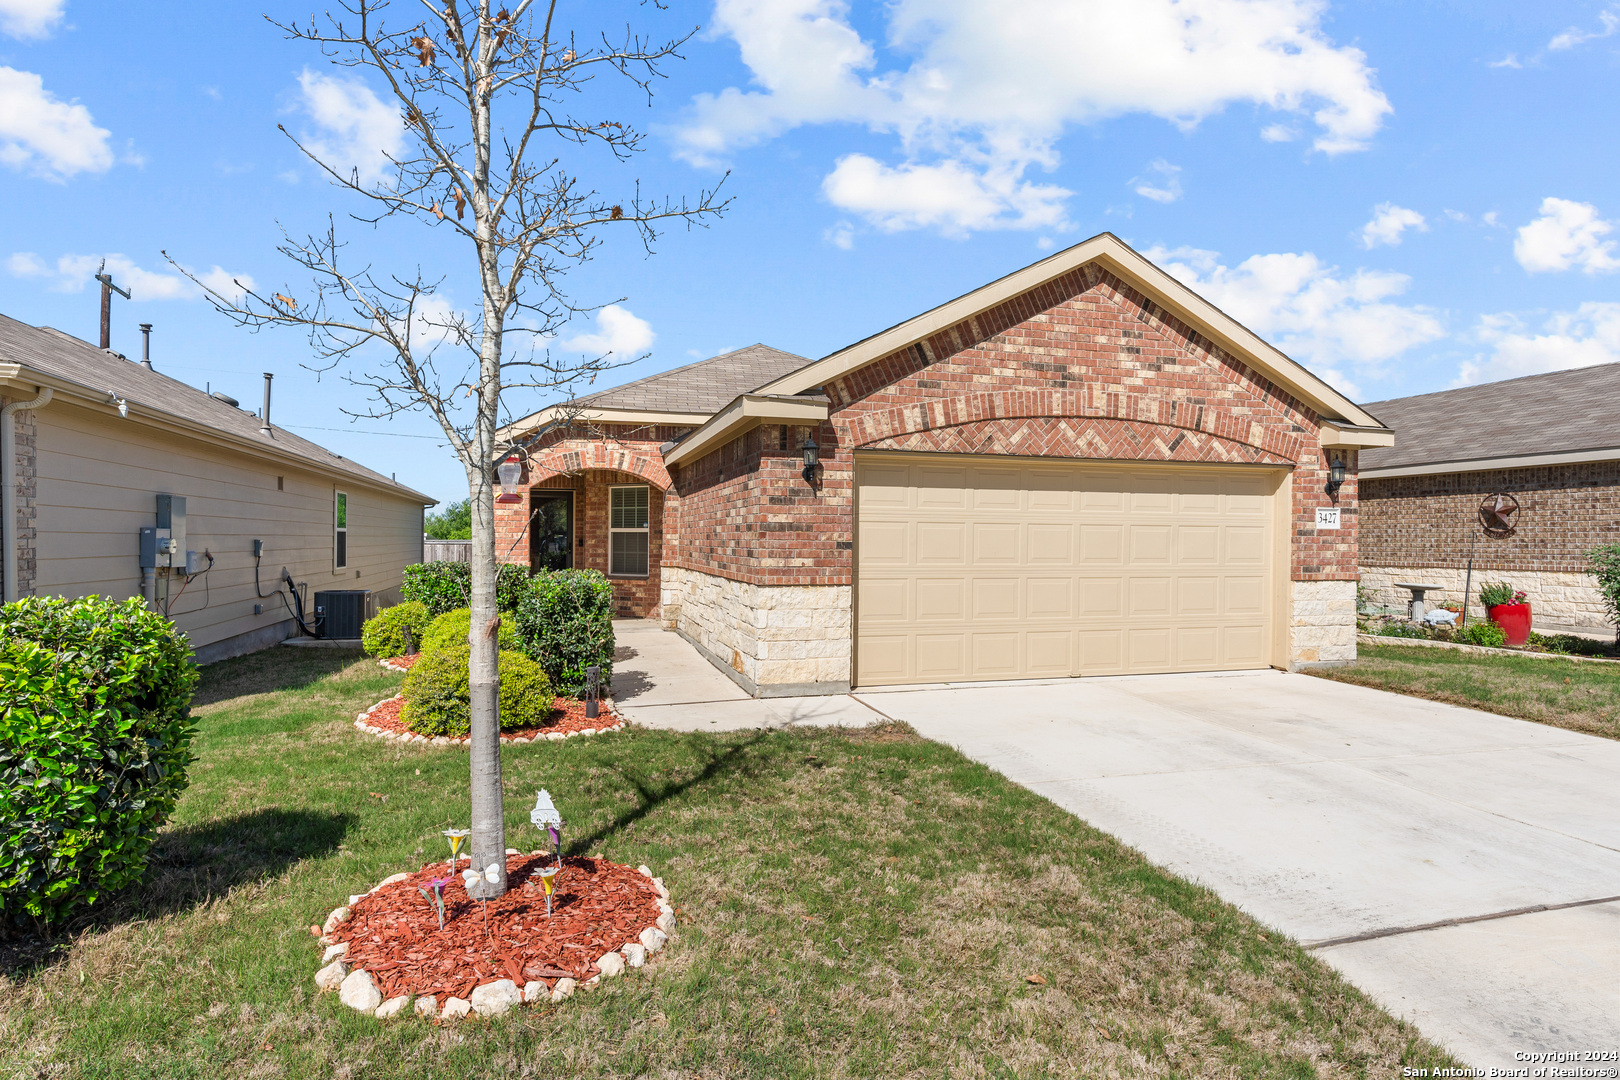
x=483, y=680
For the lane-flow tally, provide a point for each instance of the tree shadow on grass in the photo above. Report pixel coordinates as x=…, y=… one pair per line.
x=269, y=671
x=649, y=796
x=188, y=867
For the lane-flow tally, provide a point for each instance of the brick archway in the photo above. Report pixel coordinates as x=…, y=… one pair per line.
x=579, y=455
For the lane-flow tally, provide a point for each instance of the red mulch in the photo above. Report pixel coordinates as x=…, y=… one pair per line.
x=598, y=906
x=567, y=715
x=404, y=662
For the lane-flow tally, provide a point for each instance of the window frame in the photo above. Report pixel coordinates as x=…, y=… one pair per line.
x=645, y=530
x=340, y=530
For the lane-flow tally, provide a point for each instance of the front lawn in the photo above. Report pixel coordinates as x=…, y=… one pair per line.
x=851, y=904
x=1564, y=693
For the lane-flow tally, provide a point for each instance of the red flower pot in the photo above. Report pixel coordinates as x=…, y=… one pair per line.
x=1514, y=619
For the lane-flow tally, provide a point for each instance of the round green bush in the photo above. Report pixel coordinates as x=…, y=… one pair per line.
x=1483, y=633
x=95, y=738
x=450, y=631
x=395, y=631
x=438, y=702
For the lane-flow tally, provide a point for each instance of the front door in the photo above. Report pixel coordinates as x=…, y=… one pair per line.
x=551, y=531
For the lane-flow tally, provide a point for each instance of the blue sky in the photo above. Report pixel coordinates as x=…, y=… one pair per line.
x=1404, y=196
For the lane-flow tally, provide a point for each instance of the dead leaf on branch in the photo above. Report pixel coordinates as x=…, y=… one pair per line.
x=461, y=202
x=425, y=50
x=617, y=213
x=438, y=213
x=288, y=302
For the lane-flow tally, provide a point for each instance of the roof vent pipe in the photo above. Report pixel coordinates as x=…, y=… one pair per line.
x=264, y=417
x=146, y=346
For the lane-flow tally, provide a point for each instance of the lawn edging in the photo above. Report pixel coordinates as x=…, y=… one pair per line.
x=1483, y=650
x=363, y=724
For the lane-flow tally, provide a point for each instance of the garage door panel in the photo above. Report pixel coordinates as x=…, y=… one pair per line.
x=996, y=570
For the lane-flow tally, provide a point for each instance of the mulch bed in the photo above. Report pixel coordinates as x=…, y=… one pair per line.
x=567, y=718
x=394, y=934
x=400, y=663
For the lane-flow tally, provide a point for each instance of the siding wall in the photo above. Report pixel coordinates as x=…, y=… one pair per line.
x=97, y=483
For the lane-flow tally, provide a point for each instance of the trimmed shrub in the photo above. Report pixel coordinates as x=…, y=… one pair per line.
x=95, y=738
x=1403, y=629
x=395, y=631
x=567, y=625
x=1483, y=633
x=445, y=586
x=438, y=701
x=450, y=630
x=1605, y=563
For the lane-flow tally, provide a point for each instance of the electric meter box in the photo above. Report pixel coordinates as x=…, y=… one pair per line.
x=171, y=525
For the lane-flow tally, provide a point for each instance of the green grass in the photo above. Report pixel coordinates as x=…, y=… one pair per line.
x=851, y=904
x=1581, y=696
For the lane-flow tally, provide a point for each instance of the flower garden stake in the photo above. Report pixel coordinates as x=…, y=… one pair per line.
x=544, y=816
x=456, y=838
x=471, y=877
x=437, y=885
x=548, y=881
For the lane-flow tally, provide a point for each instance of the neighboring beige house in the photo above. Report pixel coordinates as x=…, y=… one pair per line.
x=91, y=440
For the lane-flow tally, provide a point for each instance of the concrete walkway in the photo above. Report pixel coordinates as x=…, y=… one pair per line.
x=1351, y=819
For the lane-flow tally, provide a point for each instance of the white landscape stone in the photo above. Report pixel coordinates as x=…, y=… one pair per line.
x=334, y=951
x=635, y=954
x=563, y=990
x=392, y=879
x=338, y=917
x=660, y=888
x=513, y=851
x=611, y=964
x=355, y=898
x=359, y=991
x=666, y=922
x=331, y=976
x=592, y=982
x=644, y=871
x=493, y=999
x=533, y=991
x=652, y=939
x=427, y=1006
x=393, y=1007
x=455, y=1008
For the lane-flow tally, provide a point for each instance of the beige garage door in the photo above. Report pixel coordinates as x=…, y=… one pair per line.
x=988, y=568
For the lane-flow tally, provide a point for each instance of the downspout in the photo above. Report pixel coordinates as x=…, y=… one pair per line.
x=8, y=486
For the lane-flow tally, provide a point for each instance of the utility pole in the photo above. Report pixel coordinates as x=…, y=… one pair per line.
x=107, y=289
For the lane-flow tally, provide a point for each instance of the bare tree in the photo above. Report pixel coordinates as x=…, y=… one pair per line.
x=484, y=96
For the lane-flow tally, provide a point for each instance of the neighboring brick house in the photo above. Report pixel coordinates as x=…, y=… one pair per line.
x=1550, y=441
x=1081, y=468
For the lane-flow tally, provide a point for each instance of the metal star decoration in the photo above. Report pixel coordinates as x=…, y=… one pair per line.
x=1498, y=514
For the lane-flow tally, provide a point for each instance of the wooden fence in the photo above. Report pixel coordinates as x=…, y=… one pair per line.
x=446, y=550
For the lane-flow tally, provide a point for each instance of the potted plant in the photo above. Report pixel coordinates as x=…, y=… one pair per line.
x=1508, y=608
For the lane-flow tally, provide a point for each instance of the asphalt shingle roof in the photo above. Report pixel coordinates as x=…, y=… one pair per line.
x=1538, y=414
x=704, y=387
x=53, y=352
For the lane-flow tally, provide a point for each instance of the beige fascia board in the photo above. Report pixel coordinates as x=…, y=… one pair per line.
x=745, y=413
x=1116, y=255
x=1354, y=435
x=1523, y=461
x=96, y=400
x=551, y=413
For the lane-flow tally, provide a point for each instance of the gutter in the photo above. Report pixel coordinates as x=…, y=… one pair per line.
x=1522, y=461
x=745, y=413
x=8, y=477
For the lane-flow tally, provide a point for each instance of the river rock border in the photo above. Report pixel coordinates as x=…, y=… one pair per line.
x=358, y=990
x=360, y=722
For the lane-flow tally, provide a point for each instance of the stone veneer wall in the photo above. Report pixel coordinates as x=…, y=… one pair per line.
x=24, y=530
x=1556, y=599
x=1322, y=622
x=777, y=640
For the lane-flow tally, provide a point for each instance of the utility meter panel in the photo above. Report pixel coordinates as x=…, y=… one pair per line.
x=171, y=527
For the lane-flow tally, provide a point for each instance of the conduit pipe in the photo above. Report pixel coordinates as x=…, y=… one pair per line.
x=8, y=482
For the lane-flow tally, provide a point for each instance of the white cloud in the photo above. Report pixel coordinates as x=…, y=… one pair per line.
x=360, y=131
x=1569, y=339
x=1458, y=216
x=618, y=332
x=1567, y=234
x=73, y=272
x=1164, y=186
x=1388, y=223
x=1509, y=61
x=1576, y=36
x=841, y=235
x=50, y=138
x=1343, y=325
x=30, y=18
x=1491, y=218
x=988, y=89
x=950, y=196
x=1278, y=133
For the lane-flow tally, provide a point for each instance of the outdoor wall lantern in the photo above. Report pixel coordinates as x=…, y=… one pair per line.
x=511, y=472
x=812, y=454
x=1336, y=473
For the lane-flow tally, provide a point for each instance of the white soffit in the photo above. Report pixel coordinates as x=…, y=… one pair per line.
x=1530, y=461
x=745, y=413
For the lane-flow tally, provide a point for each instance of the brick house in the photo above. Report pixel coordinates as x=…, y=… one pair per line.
x=1550, y=441
x=1081, y=468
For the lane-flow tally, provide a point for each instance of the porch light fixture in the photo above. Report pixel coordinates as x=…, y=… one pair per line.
x=1336, y=473
x=510, y=471
x=812, y=454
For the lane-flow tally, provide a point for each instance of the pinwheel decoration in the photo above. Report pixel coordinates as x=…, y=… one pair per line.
x=1499, y=515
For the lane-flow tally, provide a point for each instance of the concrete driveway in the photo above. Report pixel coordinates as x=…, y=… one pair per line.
x=1462, y=868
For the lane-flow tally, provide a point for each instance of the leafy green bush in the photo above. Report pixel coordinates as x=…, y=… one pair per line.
x=450, y=630
x=567, y=625
x=1483, y=633
x=1605, y=563
x=395, y=631
x=438, y=701
x=1403, y=629
x=95, y=737
x=1496, y=593
x=1570, y=645
x=445, y=586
